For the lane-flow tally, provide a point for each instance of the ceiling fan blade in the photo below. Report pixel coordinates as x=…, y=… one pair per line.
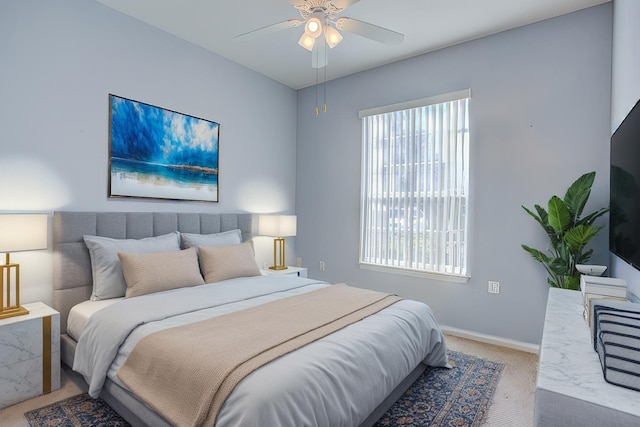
x=343, y=4
x=319, y=54
x=369, y=31
x=269, y=29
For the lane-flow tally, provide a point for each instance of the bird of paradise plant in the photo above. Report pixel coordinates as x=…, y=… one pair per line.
x=569, y=233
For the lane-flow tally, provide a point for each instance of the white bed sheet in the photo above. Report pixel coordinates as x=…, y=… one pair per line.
x=338, y=380
x=80, y=314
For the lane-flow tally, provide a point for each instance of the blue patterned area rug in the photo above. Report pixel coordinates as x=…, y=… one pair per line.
x=459, y=397
x=440, y=397
x=76, y=411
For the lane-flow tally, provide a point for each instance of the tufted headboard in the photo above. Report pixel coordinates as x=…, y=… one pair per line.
x=72, y=279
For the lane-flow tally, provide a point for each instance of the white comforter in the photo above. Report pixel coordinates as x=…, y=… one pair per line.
x=338, y=380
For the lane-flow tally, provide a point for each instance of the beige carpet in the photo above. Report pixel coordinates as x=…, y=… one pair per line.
x=514, y=398
x=512, y=403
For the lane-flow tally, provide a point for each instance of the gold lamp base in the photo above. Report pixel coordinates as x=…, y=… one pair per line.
x=278, y=249
x=13, y=311
x=6, y=299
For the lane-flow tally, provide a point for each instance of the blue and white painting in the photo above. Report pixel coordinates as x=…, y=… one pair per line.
x=162, y=154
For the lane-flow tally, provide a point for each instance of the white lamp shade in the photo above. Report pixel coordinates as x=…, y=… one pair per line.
x=277, y=225
x=23, y=232
x=332, y=36
x=313, y=27
x=306, y=42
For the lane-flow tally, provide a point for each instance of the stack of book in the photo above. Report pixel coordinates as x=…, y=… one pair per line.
x=616, y=338
x=594, y=287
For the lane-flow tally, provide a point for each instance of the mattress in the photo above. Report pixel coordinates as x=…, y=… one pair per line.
x=80, y=314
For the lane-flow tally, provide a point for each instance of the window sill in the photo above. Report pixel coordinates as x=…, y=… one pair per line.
x=454, y=278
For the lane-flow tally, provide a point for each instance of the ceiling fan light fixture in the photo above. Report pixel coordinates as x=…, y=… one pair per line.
x=332, y=36
x=313, y=27
x=306, y=41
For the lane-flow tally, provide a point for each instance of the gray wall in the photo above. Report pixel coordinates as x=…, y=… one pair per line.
x=61, y=59
x=540, y=113
x=625, y=93
x=540, y=118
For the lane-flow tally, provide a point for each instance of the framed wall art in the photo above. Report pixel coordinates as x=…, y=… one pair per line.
x=161, y=154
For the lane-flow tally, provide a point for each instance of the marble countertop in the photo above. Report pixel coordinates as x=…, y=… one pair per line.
x=568, y=363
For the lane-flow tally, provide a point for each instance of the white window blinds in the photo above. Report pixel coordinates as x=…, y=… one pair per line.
x=415, y=185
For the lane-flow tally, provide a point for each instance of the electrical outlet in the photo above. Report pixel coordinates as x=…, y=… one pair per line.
x=321, y=265
x=494, y=287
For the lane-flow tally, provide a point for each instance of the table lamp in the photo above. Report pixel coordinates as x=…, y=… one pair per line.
x=18, y=232
x=279, y=226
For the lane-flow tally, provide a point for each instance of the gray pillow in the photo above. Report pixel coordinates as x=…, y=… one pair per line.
x=231, y=237
x=108, y=279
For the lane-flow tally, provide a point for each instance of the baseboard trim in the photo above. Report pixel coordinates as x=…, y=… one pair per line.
x=491, y=339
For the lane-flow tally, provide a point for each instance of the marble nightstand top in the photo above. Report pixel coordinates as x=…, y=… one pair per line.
x=36, y=310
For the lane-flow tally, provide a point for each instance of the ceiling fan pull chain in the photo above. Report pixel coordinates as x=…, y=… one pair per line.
x=317, y=79
x=316, y=110
x=324, y=107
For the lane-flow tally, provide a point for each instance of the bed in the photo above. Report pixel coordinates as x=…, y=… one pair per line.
x=349, y=375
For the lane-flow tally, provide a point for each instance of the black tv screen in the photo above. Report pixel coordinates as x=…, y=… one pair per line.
x=624, y=218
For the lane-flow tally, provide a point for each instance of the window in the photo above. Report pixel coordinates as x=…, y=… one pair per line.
x=415, y=186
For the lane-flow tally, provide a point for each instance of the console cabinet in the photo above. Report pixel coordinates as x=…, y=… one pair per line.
x=570, y=389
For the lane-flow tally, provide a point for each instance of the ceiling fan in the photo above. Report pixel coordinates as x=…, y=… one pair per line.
x=319, y=17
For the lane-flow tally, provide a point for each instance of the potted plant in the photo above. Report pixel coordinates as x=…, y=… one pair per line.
x=569, y=233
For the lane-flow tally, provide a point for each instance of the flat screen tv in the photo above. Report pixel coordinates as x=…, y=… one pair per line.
x=624, y=218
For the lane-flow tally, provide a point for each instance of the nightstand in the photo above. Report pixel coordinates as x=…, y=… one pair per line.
x=29, y=354
x=298, y=271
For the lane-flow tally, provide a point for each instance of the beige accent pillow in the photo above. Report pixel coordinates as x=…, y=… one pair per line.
x=160, y=271
x=228, y=262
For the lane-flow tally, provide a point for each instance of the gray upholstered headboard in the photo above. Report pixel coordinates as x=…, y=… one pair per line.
x=72, y=281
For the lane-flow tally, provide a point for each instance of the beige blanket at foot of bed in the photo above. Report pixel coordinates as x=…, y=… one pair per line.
x=186, y=373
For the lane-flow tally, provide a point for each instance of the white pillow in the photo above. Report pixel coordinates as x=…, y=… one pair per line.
x=108, y=279
x=228, y=262
x=231, y=237
x=160, y=271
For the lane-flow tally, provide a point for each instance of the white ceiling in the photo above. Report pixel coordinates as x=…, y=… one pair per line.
x=428, y=25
